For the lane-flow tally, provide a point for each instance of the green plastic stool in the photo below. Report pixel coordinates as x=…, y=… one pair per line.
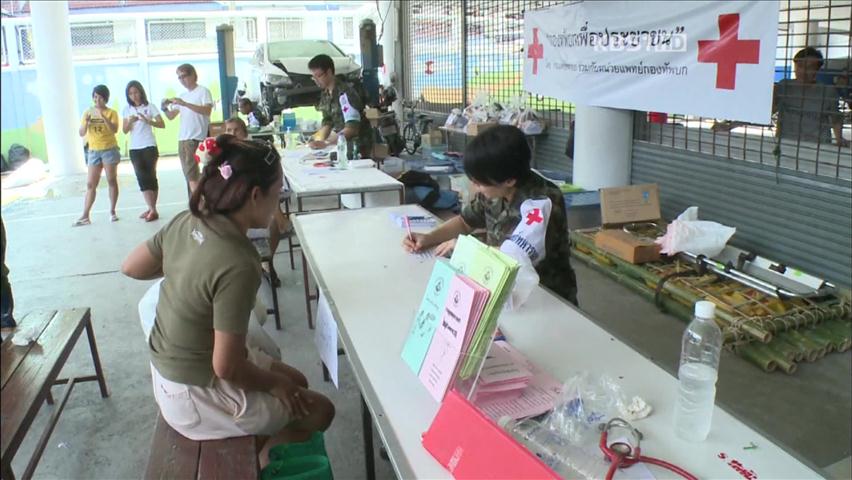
x=299, y=461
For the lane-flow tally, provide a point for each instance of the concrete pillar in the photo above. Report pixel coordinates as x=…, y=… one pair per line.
x=392, y=49
x=52, y=43
x=603, y=144
x=390, y=37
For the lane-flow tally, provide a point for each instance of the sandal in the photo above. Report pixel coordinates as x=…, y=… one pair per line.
x=144, y=214
x=152, y=216
x=113, y=217
x=81, y=222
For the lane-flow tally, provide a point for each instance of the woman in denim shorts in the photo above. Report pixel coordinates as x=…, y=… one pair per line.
x=99, y=126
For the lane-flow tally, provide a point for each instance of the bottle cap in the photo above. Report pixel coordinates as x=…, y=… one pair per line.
x=705, y=309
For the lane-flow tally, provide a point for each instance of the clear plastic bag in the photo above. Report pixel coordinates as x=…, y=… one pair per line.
x=586, y=402
x=530, y=122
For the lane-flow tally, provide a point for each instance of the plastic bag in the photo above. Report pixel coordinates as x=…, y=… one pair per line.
x=586, y=401
x=688, y=234
x=530, y=122
x=481, y=109
x=512, y=110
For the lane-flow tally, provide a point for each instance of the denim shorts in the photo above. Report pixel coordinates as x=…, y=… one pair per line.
x=109, y=156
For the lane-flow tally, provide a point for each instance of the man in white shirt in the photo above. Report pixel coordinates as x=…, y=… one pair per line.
x=194, y=106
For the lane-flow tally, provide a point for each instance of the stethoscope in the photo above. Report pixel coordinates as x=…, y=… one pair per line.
x=625, y=454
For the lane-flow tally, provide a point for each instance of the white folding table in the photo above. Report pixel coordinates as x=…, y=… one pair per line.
x=374, y=289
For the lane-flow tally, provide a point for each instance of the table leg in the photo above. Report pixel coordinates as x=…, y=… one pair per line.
x=367, y=421
x=363, y=201
x=273, y=275
x=96, y=359
x=45, y=436
x=307, y=290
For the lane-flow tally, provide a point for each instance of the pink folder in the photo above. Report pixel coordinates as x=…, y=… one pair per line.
x=471, y=446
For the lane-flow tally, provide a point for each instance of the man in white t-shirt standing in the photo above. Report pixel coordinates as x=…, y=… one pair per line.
x=194, y=106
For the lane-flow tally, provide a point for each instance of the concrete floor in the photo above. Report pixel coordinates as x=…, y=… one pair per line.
x=56, y=266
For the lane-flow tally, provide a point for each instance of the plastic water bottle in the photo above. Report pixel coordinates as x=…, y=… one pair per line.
x=342, y=153
x=288, y=139
x=569, y=461
x=699, y=365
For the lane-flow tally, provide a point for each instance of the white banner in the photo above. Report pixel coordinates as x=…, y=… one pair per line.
x=708, y=58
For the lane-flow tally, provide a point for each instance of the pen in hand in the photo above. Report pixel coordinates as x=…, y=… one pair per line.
x=408, y=228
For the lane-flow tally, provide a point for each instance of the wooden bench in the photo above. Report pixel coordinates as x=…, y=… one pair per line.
x=174, y=456
x=28, y=372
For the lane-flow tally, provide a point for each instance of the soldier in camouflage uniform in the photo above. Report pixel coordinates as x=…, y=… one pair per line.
x=497, y=162
x=352, y=124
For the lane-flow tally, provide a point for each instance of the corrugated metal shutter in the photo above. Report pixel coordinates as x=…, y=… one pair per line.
x=790, y=218
x=550, y=151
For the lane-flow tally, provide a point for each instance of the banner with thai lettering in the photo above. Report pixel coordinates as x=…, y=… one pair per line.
x=708, y=58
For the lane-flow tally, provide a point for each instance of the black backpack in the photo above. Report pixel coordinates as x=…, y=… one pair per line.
x=420, y=188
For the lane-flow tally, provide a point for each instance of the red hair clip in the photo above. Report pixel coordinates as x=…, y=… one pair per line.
x=207, y=150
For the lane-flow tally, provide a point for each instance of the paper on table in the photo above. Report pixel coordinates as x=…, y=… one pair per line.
x=428, y=315
x=444, y=351
x=325, y=337
x=536, y=399
x=424, y=255
x=414, y=220
x=502, y=367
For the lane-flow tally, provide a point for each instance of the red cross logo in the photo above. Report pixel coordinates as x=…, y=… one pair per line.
x=728, y=51
x=534, y=217
x=429, y=67
x=535, y=51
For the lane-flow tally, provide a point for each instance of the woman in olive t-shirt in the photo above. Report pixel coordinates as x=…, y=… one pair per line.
x=208, y=383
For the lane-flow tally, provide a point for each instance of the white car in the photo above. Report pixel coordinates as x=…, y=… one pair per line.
x=280, y=77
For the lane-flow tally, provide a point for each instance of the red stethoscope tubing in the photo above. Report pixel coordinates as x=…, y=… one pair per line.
x=618, y=460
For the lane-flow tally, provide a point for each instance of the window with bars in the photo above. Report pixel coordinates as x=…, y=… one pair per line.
x=24, y=37
x=348, y=28
x=284, y=29
x=458, y=49
x=5, y=60
x=169, y=36
x=103, y=39
x=245, y=33
x=811, y=98
x=89, y=34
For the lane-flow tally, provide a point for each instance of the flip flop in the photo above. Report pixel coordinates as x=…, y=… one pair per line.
x=144, y=214
x=113, y=218
x=151, y=217
x=81, y=222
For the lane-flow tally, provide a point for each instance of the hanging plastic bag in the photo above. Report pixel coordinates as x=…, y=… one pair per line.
x=688, y=234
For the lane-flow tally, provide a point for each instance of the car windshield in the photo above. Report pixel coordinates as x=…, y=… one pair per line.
x=302, y=48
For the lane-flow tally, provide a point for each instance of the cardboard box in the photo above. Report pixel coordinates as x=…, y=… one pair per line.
x=627, y=247
x=432, y=139
x=474, y=129
x=380, y=151
x=633, y=204
x=216, y=129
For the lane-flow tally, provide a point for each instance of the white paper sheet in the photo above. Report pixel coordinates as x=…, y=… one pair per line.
x=325, y=337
